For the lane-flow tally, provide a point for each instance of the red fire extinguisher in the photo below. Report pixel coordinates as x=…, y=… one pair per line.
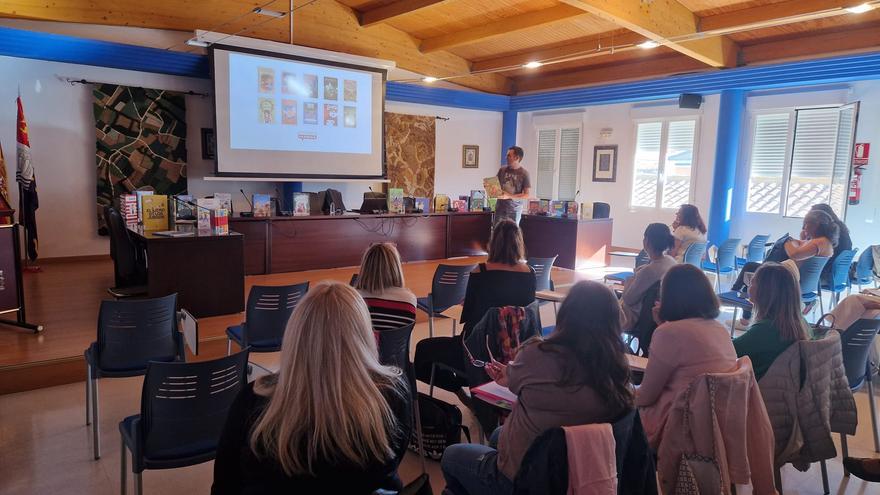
x=855, y=186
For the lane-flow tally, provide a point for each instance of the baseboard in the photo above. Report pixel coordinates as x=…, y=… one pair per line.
x=72, y=259
x=41, y=374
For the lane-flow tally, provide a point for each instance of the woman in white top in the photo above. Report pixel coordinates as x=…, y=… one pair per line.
x=687, y=229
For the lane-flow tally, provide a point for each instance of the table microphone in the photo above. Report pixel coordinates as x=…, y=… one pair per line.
x=246, y=214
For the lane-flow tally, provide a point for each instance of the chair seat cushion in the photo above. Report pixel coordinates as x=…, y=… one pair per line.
x=708, y=265
x=91, y=357
x=835, y=289
x=809, y=297
x=236, y=334
x=422, y=304
x=178, y=456
x=731, y=298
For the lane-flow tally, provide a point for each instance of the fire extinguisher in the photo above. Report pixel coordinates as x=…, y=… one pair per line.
x=855, y=186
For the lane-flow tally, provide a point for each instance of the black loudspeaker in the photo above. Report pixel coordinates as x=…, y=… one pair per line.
x=688, y=100
x=601, y=210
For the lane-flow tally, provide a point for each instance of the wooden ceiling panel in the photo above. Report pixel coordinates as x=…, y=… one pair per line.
x=844, y=21
x=815, y=44
x=628, y=56
x=713, y=7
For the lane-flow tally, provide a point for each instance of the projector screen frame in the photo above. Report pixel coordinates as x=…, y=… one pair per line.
x=297, y=58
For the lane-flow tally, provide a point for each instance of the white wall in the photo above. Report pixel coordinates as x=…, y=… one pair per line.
x=629, y=222
x=863, y=219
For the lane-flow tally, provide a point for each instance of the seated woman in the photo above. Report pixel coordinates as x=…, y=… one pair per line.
x=818, y=238
x=687, y=229
x=856, y=307
x=776, y=297
x=578, y=375
x=687, y=343
x=332, y=420
x=656, y=241
x=380, y=282
x=844, y=242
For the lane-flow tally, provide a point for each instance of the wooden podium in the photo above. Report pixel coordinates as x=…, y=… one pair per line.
x=11, y=286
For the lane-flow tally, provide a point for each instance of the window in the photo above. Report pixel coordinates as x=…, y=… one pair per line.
x=558, y=163
x=792, y=169
x=663, y=163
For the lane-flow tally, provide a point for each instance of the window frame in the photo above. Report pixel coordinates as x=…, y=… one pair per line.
x=661, y=173
x=557, y=157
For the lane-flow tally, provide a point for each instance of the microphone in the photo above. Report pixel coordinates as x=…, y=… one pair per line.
x=190, y=203
x=246, y=213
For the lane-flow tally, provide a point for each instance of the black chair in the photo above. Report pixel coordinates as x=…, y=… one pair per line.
x=130, y=335
x=856, y=344
x=183, y=411
x=129, y=272
x=354, y=279
x=543, y=269
x=645, y=325
x=447, y=289
x=268, y=309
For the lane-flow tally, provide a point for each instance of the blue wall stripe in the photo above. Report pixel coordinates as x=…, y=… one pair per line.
x=508, y=132
x=730, y=124
x=415, y=93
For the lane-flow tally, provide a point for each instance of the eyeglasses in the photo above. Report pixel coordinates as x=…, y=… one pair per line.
x=477, y=363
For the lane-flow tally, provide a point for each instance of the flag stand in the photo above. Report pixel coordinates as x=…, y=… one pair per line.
x=11, y=283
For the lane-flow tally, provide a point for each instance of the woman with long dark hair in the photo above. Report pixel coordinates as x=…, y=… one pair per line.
x=776, y=296
x=656, y=242
x=578, y=375
x=844, y=242
x=687, y=229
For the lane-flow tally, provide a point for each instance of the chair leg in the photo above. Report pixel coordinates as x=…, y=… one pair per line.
x=419, y=438
x=873, y=410
x=123, y=472
x=96, y=438
x=88, y=395
x=228, y=347
x=453, y=327
x=777, y=479
x=431, y=380
x=430, y=326
x=138, y=484
x=733, y=321
x=825, y=487
x=844, y=452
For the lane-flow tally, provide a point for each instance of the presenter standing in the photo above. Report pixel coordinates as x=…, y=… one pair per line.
x=516, y=185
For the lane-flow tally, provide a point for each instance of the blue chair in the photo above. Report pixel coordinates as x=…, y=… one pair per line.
x=268, y=309
x=856, y=343
x=447, y=289
x=694, y=254
x=183, y=411
x=839, y=275
x=731, y=298
x=725, y=260
x=755, y=251
x=811, y=270
x=864, y=269
x=621, y=277
x=131, y=333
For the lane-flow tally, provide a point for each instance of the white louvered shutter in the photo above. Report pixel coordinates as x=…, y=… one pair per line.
x=569, y=162
x=767, y=163
x=678, y=163
x=546, y=163
x=647, y=164
x=812, y=161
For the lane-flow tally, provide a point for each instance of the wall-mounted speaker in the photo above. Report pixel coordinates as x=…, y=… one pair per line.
x=688, y=100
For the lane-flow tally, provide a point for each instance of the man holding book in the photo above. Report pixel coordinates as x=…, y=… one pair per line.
x=515, y=186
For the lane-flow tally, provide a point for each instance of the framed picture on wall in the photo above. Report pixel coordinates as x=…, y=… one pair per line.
x=605, y=163
x=209, y=144
x=470, y=156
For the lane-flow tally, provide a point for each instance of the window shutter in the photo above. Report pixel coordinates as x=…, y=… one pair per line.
x=678, y=163
x=647, y=164
x=812, y=162
x=843, y=158
x=569, y=158
x=546, y=163
x=767, y=164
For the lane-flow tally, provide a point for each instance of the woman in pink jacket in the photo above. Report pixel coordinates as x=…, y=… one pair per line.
x=688, y=343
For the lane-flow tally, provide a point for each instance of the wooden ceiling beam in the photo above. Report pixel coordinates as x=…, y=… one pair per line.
x=325, y=24
x=610, y=73
x=662, y=20
x=841, y=41
x=500, y=27
x=387, y=12
x=763, y=13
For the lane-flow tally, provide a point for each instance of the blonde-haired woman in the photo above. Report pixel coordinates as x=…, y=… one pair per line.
x=332, y=420
x=380, y=282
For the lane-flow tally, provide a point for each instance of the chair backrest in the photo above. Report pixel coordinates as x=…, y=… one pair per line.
x=354, y=279
x=543, y=268
x=449, y=285
x=134, y=332
x=757, y=248
x=184, y=405
x=856, y=347
x=865, y=265
x=811, y=270
x=122, y=249
x=726, y=257
x=394, y=346
x=268, y=310
x=645, y=325
x=840, y=268
x=642, y=258
x=694, y=253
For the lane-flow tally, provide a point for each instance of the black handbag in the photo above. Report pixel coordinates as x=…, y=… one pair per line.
x=441, y=426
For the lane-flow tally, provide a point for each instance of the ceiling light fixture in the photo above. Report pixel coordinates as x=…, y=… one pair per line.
x=269, y=13
x=647, y=45
x=197, y=42
x=429, y=79
x=859, y=9
x=532, y=65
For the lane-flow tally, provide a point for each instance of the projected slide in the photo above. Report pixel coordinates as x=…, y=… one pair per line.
x=285, y=105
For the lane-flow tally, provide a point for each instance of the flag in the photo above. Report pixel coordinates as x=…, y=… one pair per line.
x=27, y=186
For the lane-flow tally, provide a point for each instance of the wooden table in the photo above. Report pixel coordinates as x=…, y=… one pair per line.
x=578, y=243
x=205, y=270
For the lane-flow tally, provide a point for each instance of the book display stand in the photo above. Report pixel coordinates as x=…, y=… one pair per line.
x=11, y=284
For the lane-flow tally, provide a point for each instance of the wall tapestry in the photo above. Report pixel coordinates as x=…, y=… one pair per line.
x=141, y=141
x=409, y=153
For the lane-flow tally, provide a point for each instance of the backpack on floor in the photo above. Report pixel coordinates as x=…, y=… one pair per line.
x=441, y=426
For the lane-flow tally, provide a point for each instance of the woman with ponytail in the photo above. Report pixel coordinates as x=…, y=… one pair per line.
x=658, y=240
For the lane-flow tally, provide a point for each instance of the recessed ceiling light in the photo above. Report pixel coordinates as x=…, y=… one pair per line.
x=647, y=45
x=269, y=13
x=533, y=64
x=197, y=42
x=429, y=79
x=860, y=9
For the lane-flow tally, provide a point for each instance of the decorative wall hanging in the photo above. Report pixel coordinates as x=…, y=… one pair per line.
x=409, y=153
x=605, y=163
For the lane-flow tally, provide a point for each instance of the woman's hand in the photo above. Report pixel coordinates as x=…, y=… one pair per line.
x=497, y=372
x=655, y=312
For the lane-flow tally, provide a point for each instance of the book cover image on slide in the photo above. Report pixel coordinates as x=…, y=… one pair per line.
x=349, y=116
x=266, y=79
x=310, y=113
x=288, y=112
x=351, y=90
x=331, y=88
x=311, y=82
x=267, y=111
x=331, y=115
x=288, y=83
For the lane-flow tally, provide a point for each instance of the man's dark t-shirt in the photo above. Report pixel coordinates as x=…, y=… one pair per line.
x=513, y=181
